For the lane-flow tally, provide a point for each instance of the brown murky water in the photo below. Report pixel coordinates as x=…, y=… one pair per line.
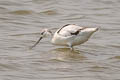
x=20, y=25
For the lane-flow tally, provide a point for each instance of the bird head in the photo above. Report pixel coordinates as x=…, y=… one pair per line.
x=44, y=33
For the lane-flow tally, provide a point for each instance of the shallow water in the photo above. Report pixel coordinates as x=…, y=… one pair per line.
x=21, y=22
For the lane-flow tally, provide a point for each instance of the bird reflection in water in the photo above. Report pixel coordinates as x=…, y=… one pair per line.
x=64, y=54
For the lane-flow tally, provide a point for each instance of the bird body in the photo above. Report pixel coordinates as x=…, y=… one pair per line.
x=70, y=35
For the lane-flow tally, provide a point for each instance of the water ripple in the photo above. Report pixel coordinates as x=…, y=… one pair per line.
x=21, y=12
x=21, y=21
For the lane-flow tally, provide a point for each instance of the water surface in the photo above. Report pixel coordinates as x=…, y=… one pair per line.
x=21, y=22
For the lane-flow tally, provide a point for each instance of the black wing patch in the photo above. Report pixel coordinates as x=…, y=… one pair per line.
x=76, y=33
x=63, y=27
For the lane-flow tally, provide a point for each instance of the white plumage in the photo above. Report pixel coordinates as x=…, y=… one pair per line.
x=69, y=35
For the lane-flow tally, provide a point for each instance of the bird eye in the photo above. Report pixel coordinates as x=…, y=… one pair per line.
x=42, y=33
